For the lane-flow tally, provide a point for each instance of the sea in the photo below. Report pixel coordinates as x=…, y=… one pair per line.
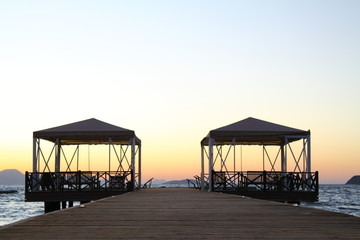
x=332, y=197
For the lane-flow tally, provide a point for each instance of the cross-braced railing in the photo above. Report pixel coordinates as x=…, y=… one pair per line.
x=79, y=181
x=148, y=183
x=265, y=181
x=198, y=182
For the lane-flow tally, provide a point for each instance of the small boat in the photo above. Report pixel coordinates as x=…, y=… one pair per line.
x=8, y=191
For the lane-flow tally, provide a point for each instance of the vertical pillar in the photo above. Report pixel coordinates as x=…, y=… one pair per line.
x=234, y=144
x=36, y=166
x=235, y=174
x=304, y=155
x=57, y=155
x=77, y=158
x=51, y=206
x=133, y=163
x=35, y=160
x=110, y=143
x=241, y=168
x=139, y=166
x=202, y=184
x=263, y=158
x=284, y=156
x=308, y=160
x=211, y=162
x=121, y=158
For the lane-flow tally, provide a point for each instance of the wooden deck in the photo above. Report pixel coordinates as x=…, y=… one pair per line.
x=185, y=214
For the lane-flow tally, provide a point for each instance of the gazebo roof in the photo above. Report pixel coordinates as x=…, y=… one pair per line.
x=252, y=131
x=90, y=131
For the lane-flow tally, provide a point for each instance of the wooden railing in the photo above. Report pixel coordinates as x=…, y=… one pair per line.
x=261, y=181
x=265, y=181
x=79, y=181
x=148, y=183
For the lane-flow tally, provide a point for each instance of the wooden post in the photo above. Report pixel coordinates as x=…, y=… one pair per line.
x=51, y=206
x=283, y=156
x=35, y=160
x=139, y=166
x=202, y=168
x=308, y=160
x=264, y=180
x=57, y=155
x=211, y=162
x=133, y=163
x=110, y=142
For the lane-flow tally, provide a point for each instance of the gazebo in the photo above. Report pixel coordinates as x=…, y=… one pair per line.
x=54, y=179
x=220, y=149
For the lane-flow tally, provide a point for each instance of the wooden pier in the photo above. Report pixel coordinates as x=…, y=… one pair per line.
x=168, y=213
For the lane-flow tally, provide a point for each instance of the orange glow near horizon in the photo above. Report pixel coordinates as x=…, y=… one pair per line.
x=176, y=161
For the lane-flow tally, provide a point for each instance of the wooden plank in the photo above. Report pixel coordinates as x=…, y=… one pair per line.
x=185, y=214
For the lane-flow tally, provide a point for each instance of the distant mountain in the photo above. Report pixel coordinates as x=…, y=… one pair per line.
x=158, y=181
x=176, y=182
x=354, y=180
x=12, y=177
x=179, y=183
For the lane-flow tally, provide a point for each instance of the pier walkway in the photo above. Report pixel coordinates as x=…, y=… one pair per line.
x=169, y=213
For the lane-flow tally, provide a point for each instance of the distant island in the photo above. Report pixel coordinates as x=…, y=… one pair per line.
x=354, y=180
x=172, y=183
x=177, y=183
x=12, y=177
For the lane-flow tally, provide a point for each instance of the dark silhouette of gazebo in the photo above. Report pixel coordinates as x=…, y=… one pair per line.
x=60, y=183
x=219, y=149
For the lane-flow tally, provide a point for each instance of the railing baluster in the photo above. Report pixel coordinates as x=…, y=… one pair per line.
x=265, y=181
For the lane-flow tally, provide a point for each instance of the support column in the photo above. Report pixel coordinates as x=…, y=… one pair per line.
x=57, y=155
x=202, y=184
x=35, y=160
x=110, y=143
x=284, y=156
x=51, y=206
x=133, y=163
x=36, y=166
x=234, y=144
x=139, y=165
x=308, y=160
x=211, y=162
x=77, y=158
x=263, y=158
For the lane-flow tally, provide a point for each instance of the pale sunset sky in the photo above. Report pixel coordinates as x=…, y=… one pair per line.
x=174, y=70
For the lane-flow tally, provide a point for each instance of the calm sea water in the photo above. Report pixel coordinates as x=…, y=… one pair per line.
x=14, y=208
x=338, y=198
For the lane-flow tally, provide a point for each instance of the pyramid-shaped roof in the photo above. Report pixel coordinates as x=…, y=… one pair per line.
x=90, y=131
x=252, y=131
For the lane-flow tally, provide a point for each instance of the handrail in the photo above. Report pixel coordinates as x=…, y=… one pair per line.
x=79, y=181
x=148, y=183
x=198, y=181
x=191, y=184
x=264, y=181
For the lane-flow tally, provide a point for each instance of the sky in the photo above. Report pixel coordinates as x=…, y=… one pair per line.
x=174, y=70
